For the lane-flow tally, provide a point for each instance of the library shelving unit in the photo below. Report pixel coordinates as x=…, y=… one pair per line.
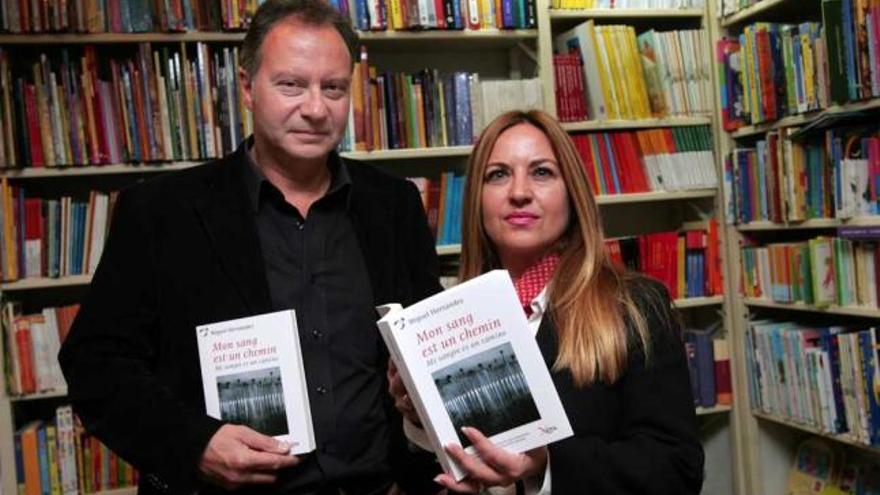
x=768, y=442
x=506, y=54
x=642, y=213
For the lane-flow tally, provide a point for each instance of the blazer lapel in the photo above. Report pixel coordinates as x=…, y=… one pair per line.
x=231, y=231
x=371, y=217
x=547, y=340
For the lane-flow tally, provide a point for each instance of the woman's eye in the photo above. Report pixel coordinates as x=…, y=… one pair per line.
x=496, y=174
x=543, y=172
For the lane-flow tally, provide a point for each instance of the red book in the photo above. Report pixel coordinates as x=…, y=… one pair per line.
x=612, y=246
x=604, y=163
x=765, y=71
x=36, y=141
x=25, y=355
x=440, y=14
x=713, y=260
x=434, y=193
x=622, y=160
x=723, y=388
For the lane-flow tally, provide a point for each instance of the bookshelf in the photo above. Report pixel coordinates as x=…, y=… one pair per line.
x=658, y=210
x=769, y=441
x=510, y=54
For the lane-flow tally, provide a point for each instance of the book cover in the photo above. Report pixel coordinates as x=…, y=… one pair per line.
x=468, y=358
x=252, y=374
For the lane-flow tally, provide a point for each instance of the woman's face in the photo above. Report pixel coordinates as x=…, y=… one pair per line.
x=525, y=203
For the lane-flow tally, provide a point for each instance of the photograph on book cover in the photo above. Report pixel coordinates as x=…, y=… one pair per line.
x=487, y=391
x=255, y=399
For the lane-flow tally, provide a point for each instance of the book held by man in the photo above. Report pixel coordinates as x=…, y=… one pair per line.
x=252, y=374
x=468, y=358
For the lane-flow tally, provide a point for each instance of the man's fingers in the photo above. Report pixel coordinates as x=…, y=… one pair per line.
x=463, y=486
x=266, y=461
x=258, y=441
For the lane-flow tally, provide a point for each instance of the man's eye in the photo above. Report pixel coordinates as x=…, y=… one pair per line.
x=335, y=90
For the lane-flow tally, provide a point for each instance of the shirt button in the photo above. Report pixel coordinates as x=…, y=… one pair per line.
x=321, y=390
x=317, y=334
x=300, y=225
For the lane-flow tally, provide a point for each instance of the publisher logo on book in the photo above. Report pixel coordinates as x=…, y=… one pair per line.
x=399, y=324
x=547, y=430
x=203, y=332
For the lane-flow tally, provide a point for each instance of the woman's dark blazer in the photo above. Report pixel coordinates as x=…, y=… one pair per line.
x=639, y=435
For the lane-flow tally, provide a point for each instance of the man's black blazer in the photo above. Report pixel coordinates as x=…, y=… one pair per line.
x=639, y=435
x=183, y=250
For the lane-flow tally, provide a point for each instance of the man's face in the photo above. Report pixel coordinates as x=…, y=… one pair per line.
x=299, y=95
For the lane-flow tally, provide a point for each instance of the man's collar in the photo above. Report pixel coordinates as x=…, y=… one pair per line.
x=340, y=179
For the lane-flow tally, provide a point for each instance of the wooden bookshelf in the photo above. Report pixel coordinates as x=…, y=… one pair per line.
x=128, y=490
x=705, y=411
x=488, y=36
x=611, y=125
x=45, y=283
x=860, y=311
x=646, y=197
x=625, y=14
x=409, y=153
x=846, y=439
x=51, y=394
x=698, y=302
x=816, y=223
x=804, y=118
x=84, y=170
x=753, y=12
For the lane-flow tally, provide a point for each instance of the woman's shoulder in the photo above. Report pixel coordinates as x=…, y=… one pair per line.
x=652, y=302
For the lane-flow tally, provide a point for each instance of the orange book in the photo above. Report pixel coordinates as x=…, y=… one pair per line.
x=30, y=458
x=375, y=124
x=357, y=107
x=420, y=114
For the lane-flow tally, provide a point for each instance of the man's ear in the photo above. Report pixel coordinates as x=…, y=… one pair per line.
x=246, y=83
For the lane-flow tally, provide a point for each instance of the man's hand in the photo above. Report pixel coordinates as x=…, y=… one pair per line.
x=494, y=467
x=401, y=398
x=237, y=455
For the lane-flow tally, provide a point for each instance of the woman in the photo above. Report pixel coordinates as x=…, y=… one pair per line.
x=608, y=336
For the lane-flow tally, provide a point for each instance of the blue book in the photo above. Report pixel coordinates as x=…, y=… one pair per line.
x=362, y=15
x=507, y=16
x=849, y=51
x=763, y=202
x=464, y=131
x=690, y=350
x=43, y=454
x=705, y=365
x=867, y=341
x=443, y=237
x=612, y=162
x=828, y=343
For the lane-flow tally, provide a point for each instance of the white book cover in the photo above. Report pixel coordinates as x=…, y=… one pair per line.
x=468, y=358
x=252, y=374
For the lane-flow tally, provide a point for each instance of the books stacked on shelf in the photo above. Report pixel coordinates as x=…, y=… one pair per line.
x=383, y=15
x=822, y=377
x=709, y=367
x=58, y=456
x=654, y=74
x=774, y=70
x=124, y=16
x=394, y=110
x=781, y=179
x=81, y=108
x=443, y=200
x=688, y=262
x=51, y=237
x=823, y=467
x=667, y=159
x=820, y=272
x=627, y=4
x=31, y=345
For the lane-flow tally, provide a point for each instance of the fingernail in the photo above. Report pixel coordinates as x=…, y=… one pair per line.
x=437, y=479
x=283, y=446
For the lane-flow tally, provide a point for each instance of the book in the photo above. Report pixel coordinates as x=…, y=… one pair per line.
x=252, y=374
x=468, y=358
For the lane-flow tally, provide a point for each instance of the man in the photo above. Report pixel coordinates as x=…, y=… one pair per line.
x=281, y=223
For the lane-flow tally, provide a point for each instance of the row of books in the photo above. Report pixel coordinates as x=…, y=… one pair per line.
x=393, y=110
x=822, y=466
x=32, y=343
x=150, y=105
x=687, y=262
x=624, y=76
x=708, y=361
x=668, y=159
x=627, y=4
x=773, y=70
x=380, y=15
x=784, y=179
x=58, y=456
x=443, y=200
x=821, y=272
x=123, y=16
x=824, y=377
x=51, y=237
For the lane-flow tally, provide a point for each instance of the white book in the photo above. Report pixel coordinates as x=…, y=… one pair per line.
x=583, y=38
x=252, y=374
x=468, y=358
x=66, y=450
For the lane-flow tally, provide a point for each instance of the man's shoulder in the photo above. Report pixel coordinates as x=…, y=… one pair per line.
x=371, y=181
x=191, y=182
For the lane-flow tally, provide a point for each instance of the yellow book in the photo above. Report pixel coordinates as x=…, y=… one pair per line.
x=754, y=82
x=10, y=270
x=487, y=14
x=809, y=70
x=236, y=19
x=357, y=106
x=619, y=88
x=636, y=74
x=43, y=115
x=396, y=15
x=605, y=80
x=378, y=129
x=680, y=267
x=420, y=114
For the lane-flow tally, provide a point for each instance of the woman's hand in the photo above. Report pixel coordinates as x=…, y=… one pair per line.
x=494, y=466
x=398, y=392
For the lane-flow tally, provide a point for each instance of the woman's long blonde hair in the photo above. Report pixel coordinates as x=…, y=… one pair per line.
x=588, y=297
